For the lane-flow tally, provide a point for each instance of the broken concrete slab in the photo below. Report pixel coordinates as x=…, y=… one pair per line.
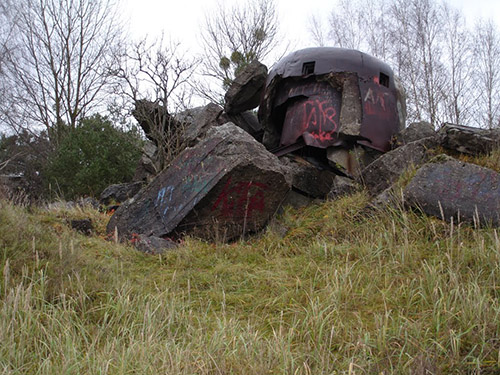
x=197, y=121
x=155, y=120
x=146, y=169
x=468, y=140
x=306, y=178
x=390, y=197
x=349, y=162
x=448, y=188
x=148, y=165
x=386, y=169
x=414, y=132
x=296, y=200
x=119, y=193
x=224, y=187
x=247, y=121
x=342, y=186
x=246, y=90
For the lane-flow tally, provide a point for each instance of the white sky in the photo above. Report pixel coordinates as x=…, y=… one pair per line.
x=180, y=19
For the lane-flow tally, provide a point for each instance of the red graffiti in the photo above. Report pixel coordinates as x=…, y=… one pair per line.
x=241, y=199
x=319, y=119
x=375, y=102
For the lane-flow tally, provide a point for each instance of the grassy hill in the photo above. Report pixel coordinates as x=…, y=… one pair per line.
x=329, y=289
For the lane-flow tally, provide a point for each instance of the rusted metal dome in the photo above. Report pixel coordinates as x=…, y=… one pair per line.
x=327, y=96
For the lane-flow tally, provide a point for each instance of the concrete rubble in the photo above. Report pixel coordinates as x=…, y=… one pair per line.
x=451, y=189
x=468, y=140
x=225, y=186
x=238, y=170
x=152, y=245
x=119, y=193
x=414, y=132
x=246, y=89
x=384, y=171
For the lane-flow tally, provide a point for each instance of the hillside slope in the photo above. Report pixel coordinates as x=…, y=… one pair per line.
x=330, y=289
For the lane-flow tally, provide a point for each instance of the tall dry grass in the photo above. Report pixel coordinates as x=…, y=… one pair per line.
x=343, y=291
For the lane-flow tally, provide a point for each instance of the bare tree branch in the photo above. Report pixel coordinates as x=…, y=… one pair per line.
x=60, y=68
x=155, y=78
x=232, y=37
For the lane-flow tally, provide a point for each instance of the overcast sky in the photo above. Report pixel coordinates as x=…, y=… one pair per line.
x=180, y=19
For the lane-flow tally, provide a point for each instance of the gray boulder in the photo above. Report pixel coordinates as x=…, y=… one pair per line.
x=306, y=178
x=448, y=188
x=386, y=169
x=414, y=132
x=148, y=164
x=119, y=193
x=197, y=121
x=247, y=121
x=246, y=90
x=296, y=200
x=342, y=186
x=468, y=140
x=225, y=186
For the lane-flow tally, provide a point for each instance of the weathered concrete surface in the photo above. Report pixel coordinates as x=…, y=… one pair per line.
x=197, y=121
x=225, y=186
x=414, y=132
x=306, y=178
x=351, y=110
x=119, y=193
x=342, y=186
x=348, y=162
x=153, y=118
x=385, y=170
x=296, y=200
x=324, y=95
x=148, y=166
x=247, y=121
x=246, y=90
x=468, y=140
x=448, y=188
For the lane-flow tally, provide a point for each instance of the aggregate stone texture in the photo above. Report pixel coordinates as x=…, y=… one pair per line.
x=119, y=193
x=225, y=186
x=386, y=169
x=448, y=188
x=468, y=140
x=246, y=90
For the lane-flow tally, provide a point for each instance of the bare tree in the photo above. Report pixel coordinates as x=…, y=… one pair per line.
x=346, y=25
x=457, y=49
x=408, y=34
x=317, y=31
x=5, y=34
x=487, y=77
x=6, y=45
x=234, y=36
x=60, y=67
x=154, y=78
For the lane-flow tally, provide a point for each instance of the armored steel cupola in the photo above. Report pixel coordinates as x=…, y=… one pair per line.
x=331, y=97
